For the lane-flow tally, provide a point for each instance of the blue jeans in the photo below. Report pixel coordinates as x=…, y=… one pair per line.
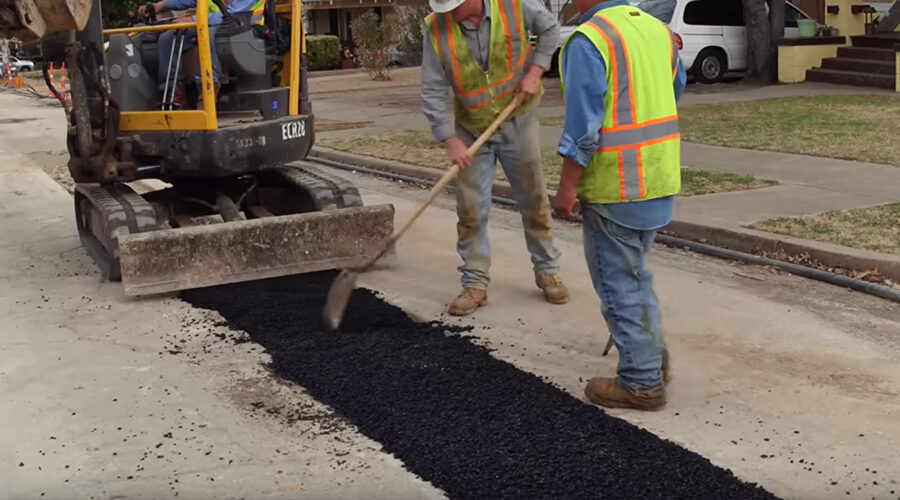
x=165, y=44
x=517, y=147
x=616, y=258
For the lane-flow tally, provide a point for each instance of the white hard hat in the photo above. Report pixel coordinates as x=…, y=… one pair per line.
x=442, y=6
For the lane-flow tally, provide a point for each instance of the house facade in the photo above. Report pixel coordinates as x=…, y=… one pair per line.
x=333, y=17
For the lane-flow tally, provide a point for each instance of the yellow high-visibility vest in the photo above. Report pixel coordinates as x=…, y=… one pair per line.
x=639, y=155
x=257, y=10
x=481, y=95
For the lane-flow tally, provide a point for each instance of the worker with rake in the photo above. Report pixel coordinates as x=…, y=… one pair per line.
x=480, y=52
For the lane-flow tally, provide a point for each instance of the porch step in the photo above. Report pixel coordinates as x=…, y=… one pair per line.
x=860, y=65
x=875, y=54
x=881, y=41
x=857, y=78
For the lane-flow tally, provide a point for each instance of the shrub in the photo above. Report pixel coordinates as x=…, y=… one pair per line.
x=374, y=41
x=323, y=52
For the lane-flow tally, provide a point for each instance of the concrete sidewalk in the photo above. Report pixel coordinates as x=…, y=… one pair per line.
x=807, y=185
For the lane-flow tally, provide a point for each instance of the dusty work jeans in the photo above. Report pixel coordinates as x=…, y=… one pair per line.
x=517, y=148
x=616, y=258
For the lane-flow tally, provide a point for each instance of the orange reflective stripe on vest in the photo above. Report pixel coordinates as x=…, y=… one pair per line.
x=674, y=52
x=475, y=98
x=627, y=136
x=481, y=91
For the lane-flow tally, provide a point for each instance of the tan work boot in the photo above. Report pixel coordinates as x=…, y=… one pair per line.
x=468, y=301
x=606, y=392
x=552, y=286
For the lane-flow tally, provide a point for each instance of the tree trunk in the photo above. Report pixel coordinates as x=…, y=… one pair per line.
x=760, y=55
x=776, y=25
x=776, y=19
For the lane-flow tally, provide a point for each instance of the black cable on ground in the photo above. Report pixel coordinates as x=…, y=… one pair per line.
x=882, y=291
x=876, y=289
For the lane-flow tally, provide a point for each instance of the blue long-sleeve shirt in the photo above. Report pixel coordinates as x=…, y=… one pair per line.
x=214, y=18
x=584, y=73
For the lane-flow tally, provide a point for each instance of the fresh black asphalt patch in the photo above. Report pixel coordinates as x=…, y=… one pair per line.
x=472, y=425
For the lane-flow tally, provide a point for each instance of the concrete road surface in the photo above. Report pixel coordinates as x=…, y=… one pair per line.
x=790, y=383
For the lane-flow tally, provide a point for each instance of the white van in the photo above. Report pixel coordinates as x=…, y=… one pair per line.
x=710, y=33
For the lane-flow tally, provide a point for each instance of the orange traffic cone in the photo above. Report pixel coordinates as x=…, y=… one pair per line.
x=9, y=78
x=52, y=82
x=62, y=83
x=20, y=82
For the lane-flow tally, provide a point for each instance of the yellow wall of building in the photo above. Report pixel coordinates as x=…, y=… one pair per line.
x=794, y=60
x=847, y=23
x=897, y=72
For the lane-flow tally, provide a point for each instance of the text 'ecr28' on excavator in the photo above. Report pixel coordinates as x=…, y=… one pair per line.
x=238, y=202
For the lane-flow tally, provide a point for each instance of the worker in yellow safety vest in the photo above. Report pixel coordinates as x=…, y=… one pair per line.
x=479, y=51
x=621, y=78
x=167, y=78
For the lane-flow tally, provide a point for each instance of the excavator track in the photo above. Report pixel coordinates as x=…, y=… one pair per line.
x=327, y=191
x=103, y=214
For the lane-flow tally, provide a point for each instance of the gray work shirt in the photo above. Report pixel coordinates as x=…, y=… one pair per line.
x=437, y=99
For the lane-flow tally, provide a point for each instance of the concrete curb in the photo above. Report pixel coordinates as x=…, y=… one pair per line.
x=756, y=242
x=738, y=239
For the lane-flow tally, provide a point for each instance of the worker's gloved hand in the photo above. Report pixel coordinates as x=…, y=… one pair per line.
x=529, y=85
x=458, y=152
x=157, y=7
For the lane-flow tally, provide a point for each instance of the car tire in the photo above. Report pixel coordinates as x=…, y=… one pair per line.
x=710, y=65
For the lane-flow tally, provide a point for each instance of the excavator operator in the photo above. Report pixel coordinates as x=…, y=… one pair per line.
x=167, y=77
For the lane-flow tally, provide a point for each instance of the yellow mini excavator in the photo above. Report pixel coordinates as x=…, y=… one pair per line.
x=237, y=202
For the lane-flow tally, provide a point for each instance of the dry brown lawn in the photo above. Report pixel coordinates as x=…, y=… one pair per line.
x=327, y=125
x=416, y=147
x=861, y=128
x=874, y=228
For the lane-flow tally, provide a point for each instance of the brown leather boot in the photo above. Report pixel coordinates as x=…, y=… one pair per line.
x=555, y=292
x=468, y=301
x=606, y=392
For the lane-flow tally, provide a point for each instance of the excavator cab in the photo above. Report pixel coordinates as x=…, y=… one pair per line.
x=231, y=197
x=251, y=55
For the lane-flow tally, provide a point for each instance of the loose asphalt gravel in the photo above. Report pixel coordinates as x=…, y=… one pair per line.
x=472, y=425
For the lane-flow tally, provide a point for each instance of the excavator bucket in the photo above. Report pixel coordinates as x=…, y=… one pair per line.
x=30, y=20
x=204, y=255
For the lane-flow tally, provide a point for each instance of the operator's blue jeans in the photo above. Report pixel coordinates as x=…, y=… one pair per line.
x=616, y=258
x=164, y=46
x=517, y=147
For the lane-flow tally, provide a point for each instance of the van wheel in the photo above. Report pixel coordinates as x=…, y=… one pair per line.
x=710, y=66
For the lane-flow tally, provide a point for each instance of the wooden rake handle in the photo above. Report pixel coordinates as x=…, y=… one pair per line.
x=446, y=179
